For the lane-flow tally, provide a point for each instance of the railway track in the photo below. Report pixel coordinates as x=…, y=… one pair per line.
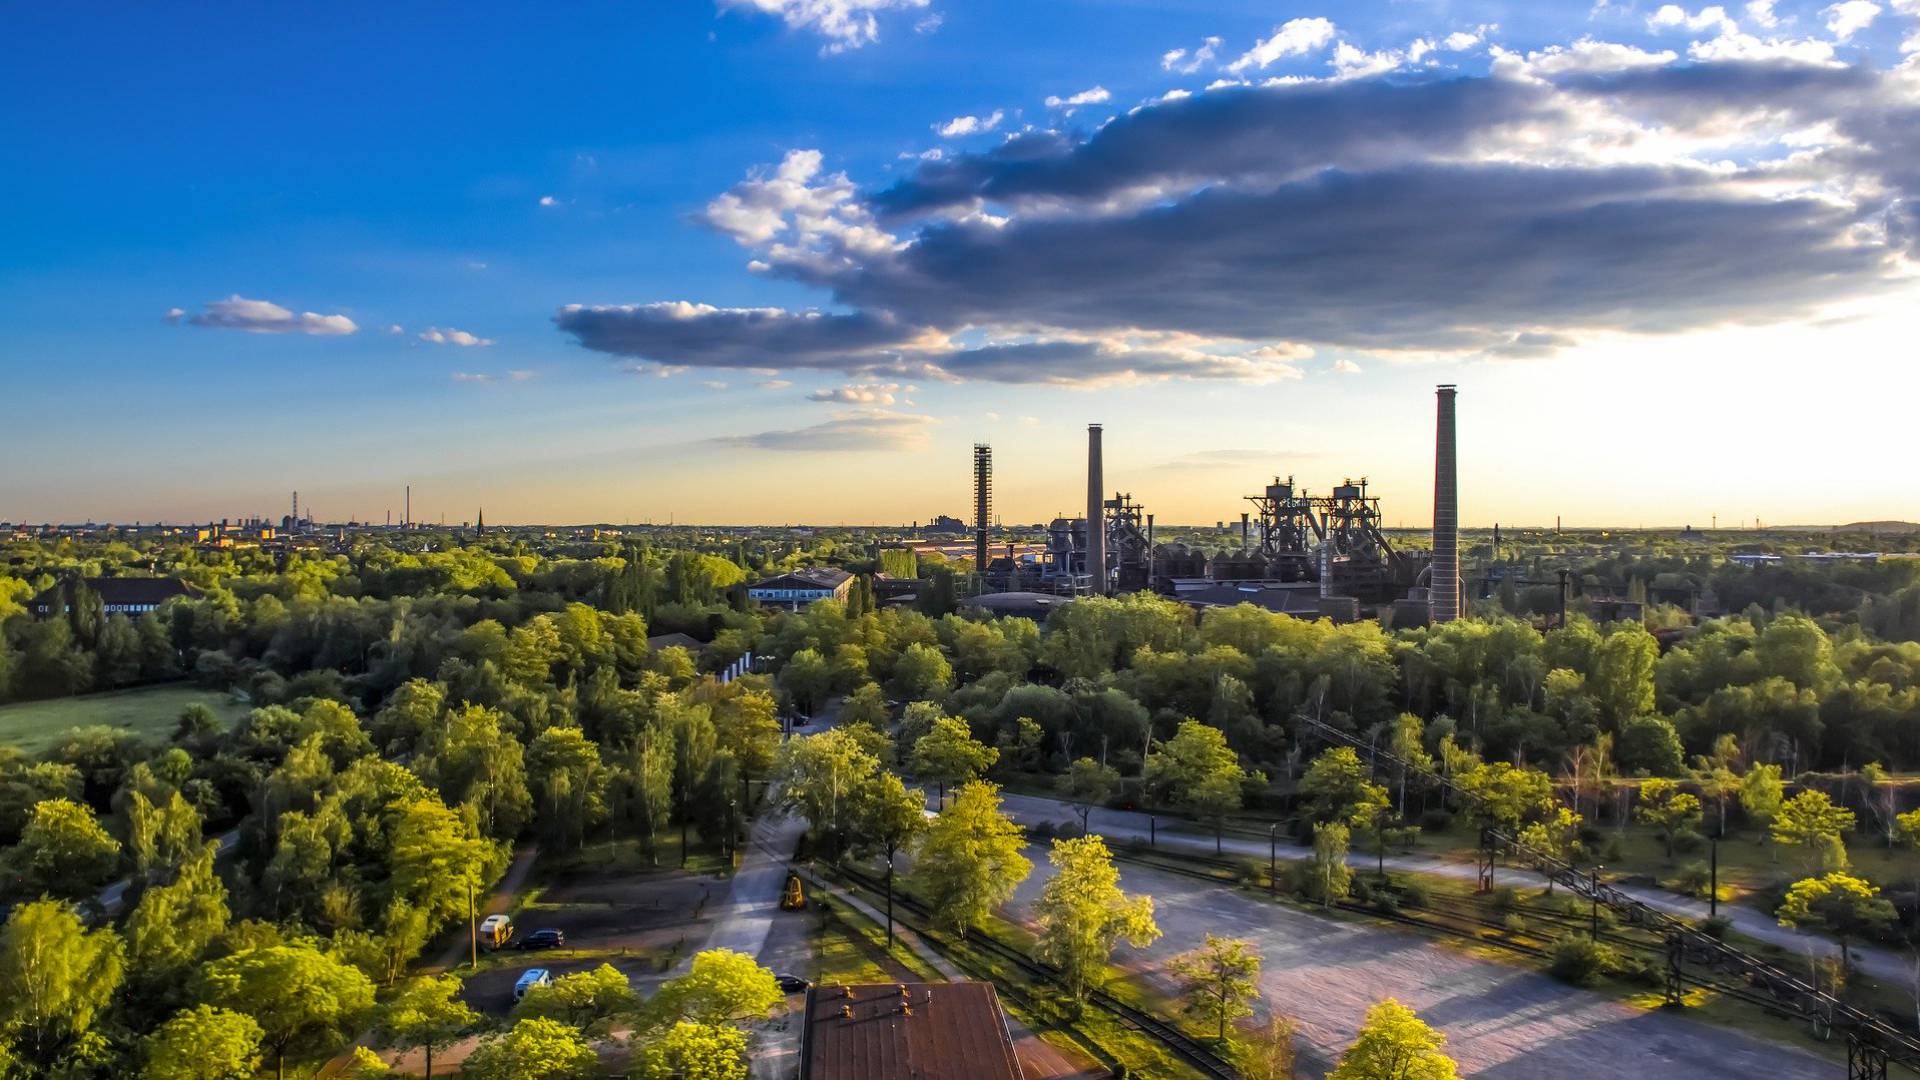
x=1185, y=1047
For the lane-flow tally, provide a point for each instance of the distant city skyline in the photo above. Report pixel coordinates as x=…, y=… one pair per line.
x=779, y=262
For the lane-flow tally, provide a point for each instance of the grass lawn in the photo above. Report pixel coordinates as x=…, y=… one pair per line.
x=150, y=712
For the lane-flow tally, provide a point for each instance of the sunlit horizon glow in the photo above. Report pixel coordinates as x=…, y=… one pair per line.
x=775, y=263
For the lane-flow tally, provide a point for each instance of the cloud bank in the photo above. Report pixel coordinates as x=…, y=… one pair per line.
x=263, y=317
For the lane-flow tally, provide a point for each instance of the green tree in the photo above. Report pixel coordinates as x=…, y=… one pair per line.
x=968, y=862
x=62, y=852
x=890, y=816
x=171, y=927
x=1086, y=784
x=204, y=1043
x=1843, y=906
x=1811, y=824
x=1622, y=677
x=1339, y=787
x=806, y=678
x=822, y=775
x=1082, y=914
x=1332, y=876
x=1395, y=1044
x=298, y=995
x=720, y=987
x=1406, y=745
x=949, y=754
x=588, y=1000
x=1197, y=771
x=1506, y=796
x=1267, y=1050
x=921, y=674
x=568, y=783
x=1650, y=745
x=472, y=760
x=428, y=1014
x=1761, y=795
x=1665, y=807
x=59, y=976
x=1219, y=981
x=533, y=1049
x=690, y=1051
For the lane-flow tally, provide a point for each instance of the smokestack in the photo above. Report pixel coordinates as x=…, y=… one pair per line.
x=1445, y=586
x=1326, y=561
x=406, y=513
x=1096, y=514
x=982, y=505
x=1246, y=531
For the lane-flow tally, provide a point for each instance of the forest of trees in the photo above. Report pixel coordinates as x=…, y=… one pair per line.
x=415, y=714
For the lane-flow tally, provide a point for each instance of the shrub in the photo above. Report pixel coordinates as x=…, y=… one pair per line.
x=1414, y=893
x=1504, y=898
x=1436, y=821
x=1716, y=927
x=1515, y=923
x=1694, y=879
x=1640, y=969
x=1687, y=841
x=1580, y=960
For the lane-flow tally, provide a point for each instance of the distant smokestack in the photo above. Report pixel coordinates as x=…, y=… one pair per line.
x=982, y=504
x=1445, y=592
x=406, y=512
x=1246, y=531
x=1096, y=514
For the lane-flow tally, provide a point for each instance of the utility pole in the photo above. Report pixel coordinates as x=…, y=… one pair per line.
x=1713, y=886
x=1593, y=894
x=473, y=931
x=1273, y=861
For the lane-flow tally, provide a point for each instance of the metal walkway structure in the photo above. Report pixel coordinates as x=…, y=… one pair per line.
x=1693, y=956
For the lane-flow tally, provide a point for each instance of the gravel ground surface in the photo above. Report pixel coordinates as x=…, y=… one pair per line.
x=1883, y=964
x=1500, y=1021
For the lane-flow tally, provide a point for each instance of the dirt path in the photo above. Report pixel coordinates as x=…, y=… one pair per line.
x=1500, y=1021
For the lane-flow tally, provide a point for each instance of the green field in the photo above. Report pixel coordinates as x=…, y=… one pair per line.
x=150, y=712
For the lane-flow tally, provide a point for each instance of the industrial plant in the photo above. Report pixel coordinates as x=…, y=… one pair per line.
x=1296, y=550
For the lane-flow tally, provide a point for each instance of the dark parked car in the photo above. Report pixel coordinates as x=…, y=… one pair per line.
x=543, y=939
x=791, y=984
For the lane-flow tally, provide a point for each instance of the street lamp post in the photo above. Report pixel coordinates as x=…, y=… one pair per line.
x=1593, y=895
x=1273, y=858
x=1153, y=831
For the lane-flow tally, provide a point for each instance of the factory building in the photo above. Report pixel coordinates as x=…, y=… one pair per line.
x=802, y=587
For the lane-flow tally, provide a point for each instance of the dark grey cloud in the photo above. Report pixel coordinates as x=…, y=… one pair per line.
x=701, y=336
x=851, y=432
x=1423, y=256
x=1234, y=133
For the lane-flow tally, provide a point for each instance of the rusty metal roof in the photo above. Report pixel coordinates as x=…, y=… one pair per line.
x=906, y=1031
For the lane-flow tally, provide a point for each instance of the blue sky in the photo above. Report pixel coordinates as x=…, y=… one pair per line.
x=467, y=173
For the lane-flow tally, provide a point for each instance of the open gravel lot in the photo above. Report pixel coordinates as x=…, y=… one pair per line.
x=1500, y=1021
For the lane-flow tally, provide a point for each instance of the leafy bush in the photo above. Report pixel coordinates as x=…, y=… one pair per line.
x=1414, y=893
x=1436, y=821
x=1694, y=879
x=1716, y=927
x=1641, y=969
x=1515, y=923
x=1687, y=841
x=1580, y=960
x=1505, y=898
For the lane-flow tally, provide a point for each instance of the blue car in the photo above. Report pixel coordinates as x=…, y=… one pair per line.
x=529, y=979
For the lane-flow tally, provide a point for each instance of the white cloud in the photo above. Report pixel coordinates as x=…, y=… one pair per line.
x=175, y=314
x=970, y=125
x=1850, y=17
x=714, y=385
x=1295, y=37
x=861, y=394
x=1739, y=46
x=263, y=317
x=773, y=384
x=1673, y=17
x=1589, y=56
x=396, y=328
x=486, y=378
x=846, y=24
x=1345, y=366
x=548, y=200
x=1761, y=12
x=852, y=431
x=1094, y=96
x=1186, y=63
x=450, y=336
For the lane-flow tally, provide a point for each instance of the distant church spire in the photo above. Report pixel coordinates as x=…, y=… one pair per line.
x=480, y=522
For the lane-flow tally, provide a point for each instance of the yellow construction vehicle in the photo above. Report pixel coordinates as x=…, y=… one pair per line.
x=794, y=897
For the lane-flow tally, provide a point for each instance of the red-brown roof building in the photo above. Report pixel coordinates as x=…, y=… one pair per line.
x=907, y=1031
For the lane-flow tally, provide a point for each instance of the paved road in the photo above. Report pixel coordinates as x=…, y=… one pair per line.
x=1501, y=1021
x=1881, y=963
